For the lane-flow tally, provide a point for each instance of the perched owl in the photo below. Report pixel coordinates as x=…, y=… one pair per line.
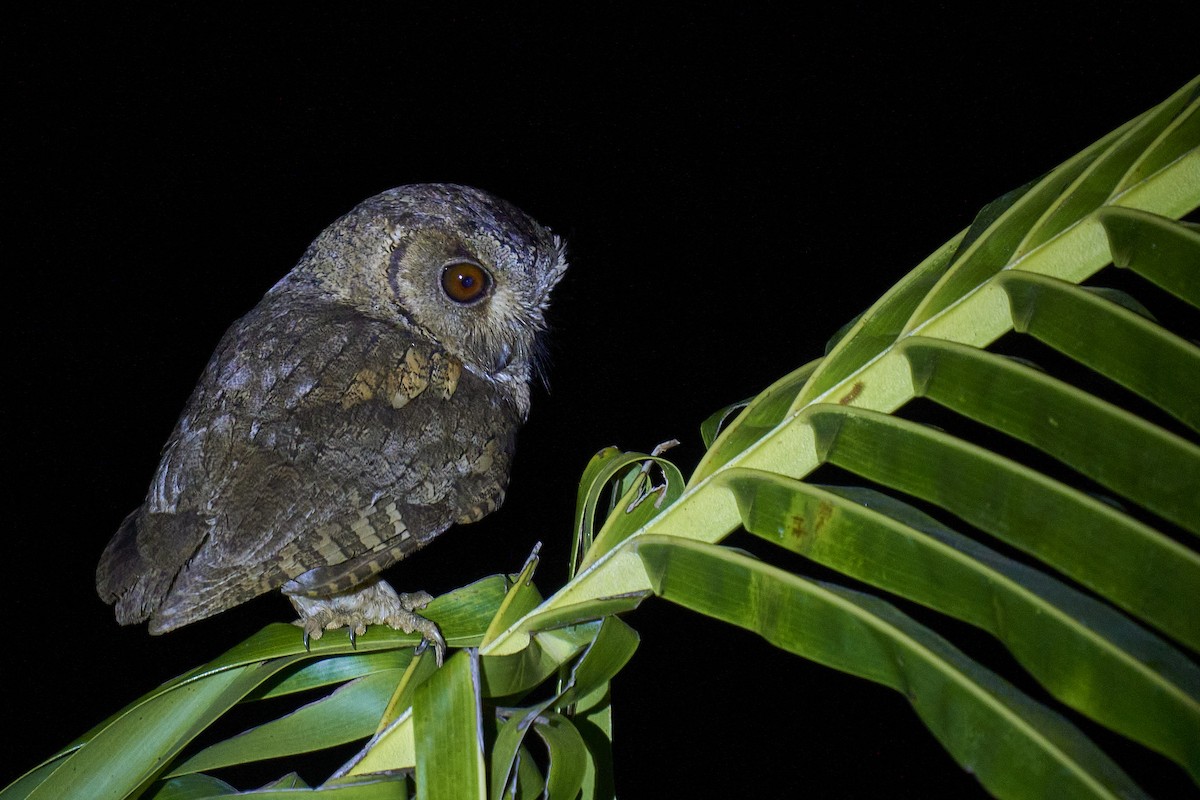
x=367, y=403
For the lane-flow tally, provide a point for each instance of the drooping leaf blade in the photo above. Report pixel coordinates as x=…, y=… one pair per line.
x=1126, y=561
x=1143, y=357
x=1028, y=747
x=1120, y=451
x=1085, y=653
x=350, y=712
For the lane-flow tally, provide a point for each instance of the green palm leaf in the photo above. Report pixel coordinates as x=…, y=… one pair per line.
x=1016, y=269
x=862, y=635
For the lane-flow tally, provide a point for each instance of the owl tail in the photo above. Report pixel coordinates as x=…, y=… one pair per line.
x=124, y=577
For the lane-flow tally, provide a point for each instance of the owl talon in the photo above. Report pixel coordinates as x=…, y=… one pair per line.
x=371, y=603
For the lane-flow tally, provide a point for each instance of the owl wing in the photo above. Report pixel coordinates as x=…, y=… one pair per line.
x=319, y=443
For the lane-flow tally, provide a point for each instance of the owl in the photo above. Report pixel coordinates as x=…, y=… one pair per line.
x=366, y=404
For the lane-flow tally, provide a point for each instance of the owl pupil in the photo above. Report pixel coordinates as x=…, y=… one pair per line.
x=465, y=282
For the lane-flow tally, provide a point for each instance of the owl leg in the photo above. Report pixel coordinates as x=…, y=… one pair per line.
x=373, y=602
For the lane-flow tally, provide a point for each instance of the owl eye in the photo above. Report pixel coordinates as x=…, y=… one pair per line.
x=465, y=282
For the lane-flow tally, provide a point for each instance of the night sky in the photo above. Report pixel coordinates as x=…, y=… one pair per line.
x=734, y=186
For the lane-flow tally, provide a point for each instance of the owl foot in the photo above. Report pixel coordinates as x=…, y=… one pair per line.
x=372, y=603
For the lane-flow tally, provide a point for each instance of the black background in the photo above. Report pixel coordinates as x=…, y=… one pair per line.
x=734, y=185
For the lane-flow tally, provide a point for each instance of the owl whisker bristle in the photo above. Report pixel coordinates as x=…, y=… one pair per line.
x=540, y=360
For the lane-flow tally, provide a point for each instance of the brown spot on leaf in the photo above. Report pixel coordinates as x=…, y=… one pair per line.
x=807, y=526
x=850, y=396
x=824, y=512
x=799, y=527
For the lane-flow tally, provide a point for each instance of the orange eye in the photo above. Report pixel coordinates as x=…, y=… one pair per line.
x=465, y=282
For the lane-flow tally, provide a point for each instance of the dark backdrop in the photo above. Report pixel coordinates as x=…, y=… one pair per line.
x=734, y=186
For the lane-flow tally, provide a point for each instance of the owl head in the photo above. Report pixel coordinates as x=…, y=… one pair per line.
x=471, y=271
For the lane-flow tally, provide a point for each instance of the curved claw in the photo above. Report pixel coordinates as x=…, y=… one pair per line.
x=439, y=643
x=430, y=635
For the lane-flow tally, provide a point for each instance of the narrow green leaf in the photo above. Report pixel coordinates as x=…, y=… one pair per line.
x=368, y=787
x=522, y=597
x=712, y=426
x=1103, y=177
x=877, y=329
x=568, y=756
x=840, y=334
x=392, y=748
x=1118, y=450
x=591, y=486
x=761, y=414
x=530, y=783
x=1014, y=746
x=191, y=787
x=1127, y=562
x=997, y=246
x=511, y=676
x=1179, y=138
x=554, y=615
x=330, y=671
x=628, y=473
x=503, y=762
x=1125, y=347
x=641, y=502
x=464, y=614
x=990, y=214
x=1123, y=299
x=595, y=727
x=22, y=786
x=586, y=702
x=509, y=748
x=134, y=747
x=610, y=646
x=289, y=781
x=605, y=656
x=449, y=734
x=1086, y=654
x=350, y=712
x=1161, y=250
x=416, y=673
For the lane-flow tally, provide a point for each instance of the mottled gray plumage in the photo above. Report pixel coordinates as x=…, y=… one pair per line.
x=368, y=402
